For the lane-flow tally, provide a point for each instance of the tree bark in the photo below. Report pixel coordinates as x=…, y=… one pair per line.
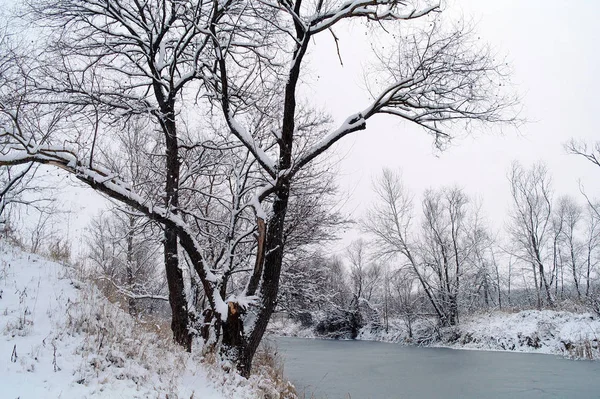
x=129, y=267
x=234, y=343
x=180, y=317
x=574, y=270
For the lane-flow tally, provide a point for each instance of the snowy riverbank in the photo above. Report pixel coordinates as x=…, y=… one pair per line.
x=545, y=331
x=563, y=333
x=60, y=338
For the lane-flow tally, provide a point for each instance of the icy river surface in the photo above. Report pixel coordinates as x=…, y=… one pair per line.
x=362, y=370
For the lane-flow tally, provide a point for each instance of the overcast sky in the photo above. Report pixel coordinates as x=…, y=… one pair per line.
x=552, y=47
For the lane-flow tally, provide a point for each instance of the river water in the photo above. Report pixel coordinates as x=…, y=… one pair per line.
x=361, y=370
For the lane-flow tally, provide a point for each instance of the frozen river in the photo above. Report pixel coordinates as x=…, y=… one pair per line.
x=362, y=370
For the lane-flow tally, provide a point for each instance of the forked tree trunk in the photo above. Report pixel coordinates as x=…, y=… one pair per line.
x=236, y=344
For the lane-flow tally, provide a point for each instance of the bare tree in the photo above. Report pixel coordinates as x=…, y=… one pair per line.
x=531, y=220
x=364, y=274
x=439, y=253
x=118, y=59
x=592, y=246
x=557, y=228
x=19, y=187
x=445, y=245
x=307, y=290
x=590, y=152
x=389, y=221
x=572, y=218
x=411, y=95
x=486, y=273
x=124, y=256
x=406, y=297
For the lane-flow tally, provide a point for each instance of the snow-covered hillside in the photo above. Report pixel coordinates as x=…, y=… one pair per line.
x=60, y=338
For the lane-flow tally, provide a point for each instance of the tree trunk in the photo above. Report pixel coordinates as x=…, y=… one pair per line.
x=509, y=281
x=129, y=271
x=486, y=293
x=453, y=319
x=574, y=270
x=546, y=286
x=177, y=298
x=270, y=283
x=233, y=334
x=537, y=288
x=562, y=282
x=589, y=264
x=385, y=301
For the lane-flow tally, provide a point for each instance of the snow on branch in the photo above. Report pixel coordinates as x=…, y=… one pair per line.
x=377, y=10
x=225, y=98
x=243, y=301
x=102, y=180
x=439, y=79
x=443, y=77
x=129, y=294
x=351, y=124
x=242, y=134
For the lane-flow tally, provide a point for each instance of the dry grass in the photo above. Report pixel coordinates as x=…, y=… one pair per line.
x=115, y=345
x=269, y=364
x=587, y=350
x=266, y=376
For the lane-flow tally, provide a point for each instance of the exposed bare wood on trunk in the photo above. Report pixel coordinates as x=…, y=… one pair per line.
x=260, y=257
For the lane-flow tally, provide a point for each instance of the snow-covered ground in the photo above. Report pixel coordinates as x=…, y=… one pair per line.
x=59, y=338
x=575, y=335
x=542, y=331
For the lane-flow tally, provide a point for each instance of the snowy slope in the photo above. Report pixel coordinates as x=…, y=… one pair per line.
x=60, y=338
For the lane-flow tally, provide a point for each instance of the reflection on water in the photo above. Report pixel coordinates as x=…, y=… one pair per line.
x=362, y=370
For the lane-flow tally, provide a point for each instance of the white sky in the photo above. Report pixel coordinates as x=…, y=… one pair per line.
x=552, y=46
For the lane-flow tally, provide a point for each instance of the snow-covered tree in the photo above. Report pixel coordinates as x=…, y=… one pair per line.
x=441, y=251
x=177, y=61
x=531, y=221
x=123, y=254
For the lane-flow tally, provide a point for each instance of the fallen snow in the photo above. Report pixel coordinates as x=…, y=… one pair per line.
x=540, y=331
x=60, y=338
x=574, y=335
x=284, y=327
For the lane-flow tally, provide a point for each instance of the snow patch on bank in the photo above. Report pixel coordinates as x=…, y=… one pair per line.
x=542, y=331
x=60, y=337
x=284, y=327
x=574, y=335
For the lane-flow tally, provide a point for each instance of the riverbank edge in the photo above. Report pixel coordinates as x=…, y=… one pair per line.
x=563, y=333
